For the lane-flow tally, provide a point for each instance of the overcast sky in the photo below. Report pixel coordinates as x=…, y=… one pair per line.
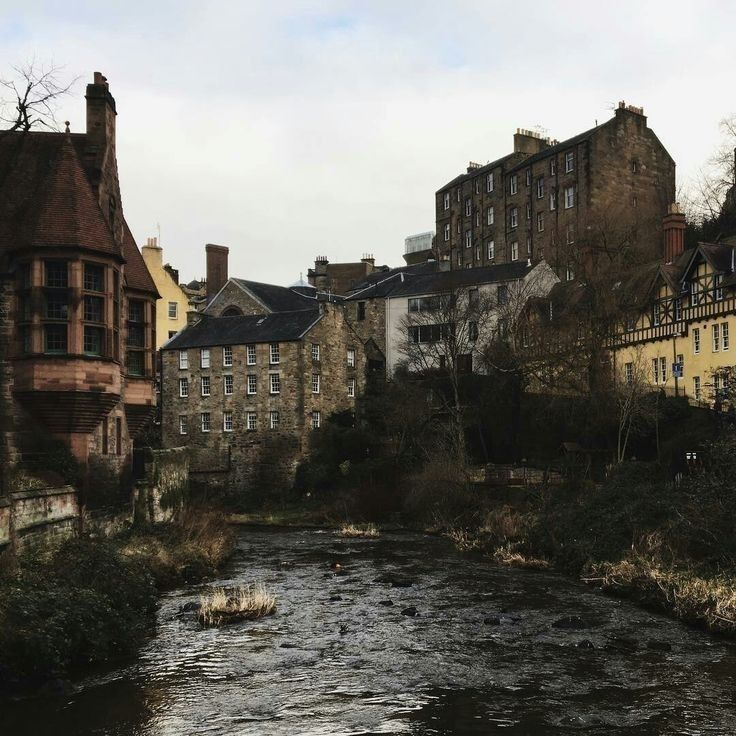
x=288, y=130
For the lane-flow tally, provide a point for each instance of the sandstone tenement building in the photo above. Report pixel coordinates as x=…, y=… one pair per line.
x=244, y=392
x=545, y=198
x=78, y=311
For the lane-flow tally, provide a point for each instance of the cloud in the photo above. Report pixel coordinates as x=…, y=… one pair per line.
x=291, y=129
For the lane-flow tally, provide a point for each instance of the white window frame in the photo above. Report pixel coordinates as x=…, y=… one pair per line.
x=183, y=360
x=491, y=250
x=725, y=343
x=228, y=384
x=717, y=288
x=251, y=384
x=663, y=369
x=490, y=182
x=227, y=421
x=273, y=419
x=176, y=310
x=553, y=200
x=446, y=200
x=250, y=352
x=315, y=352
x=274, y=354
x=515, y=250
x=447, y=232
x=205, y=380
x=204, y=358
x=569, y=161
x=351, y=357
x=553, y=166
x=513, y=184
x=716, y=338
x=540, y=187
x=316, y=419
x=678, y=309
x=655, y=371
x=251, y=421
x=468, y=206
x=468, y=238
x=697, y=388
x=540, y=222
x=315, y=383
x=569, y=197
x=227, y=356
x=183, y=424
x=696, y=340
x=274, y=379
x=351, y=388
x=183, y=388
x=490, y=216
x=514, y=217
x=204, y=421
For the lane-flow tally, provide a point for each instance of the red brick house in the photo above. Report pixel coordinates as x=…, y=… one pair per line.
x=77, y=304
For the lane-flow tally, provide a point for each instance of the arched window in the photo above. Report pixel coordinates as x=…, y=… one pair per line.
x=232, y=312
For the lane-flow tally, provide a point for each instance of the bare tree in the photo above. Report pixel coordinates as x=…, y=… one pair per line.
x=29, y=97
x=631, y=393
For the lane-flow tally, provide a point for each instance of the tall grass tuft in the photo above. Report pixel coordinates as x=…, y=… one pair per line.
x=227, y=605
x=368, y=531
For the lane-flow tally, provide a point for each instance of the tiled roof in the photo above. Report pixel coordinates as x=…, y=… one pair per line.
x=214, y=331
x=137, y=275
x=46, y=199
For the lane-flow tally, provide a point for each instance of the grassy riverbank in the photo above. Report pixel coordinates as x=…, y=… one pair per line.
x=670, y=548
x=89, y=600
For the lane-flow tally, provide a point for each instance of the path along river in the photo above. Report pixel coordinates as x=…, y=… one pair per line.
x=482, y=656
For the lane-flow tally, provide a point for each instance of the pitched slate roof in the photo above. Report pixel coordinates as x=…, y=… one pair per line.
x=137, y=275
x=478, y=172
x=214, y=331
x=561, y=146
x=46, y=199
x=277, y=298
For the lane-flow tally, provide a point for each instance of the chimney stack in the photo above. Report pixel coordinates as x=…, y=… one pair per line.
x=529, y=142
x=674, y=233
x=216, y=269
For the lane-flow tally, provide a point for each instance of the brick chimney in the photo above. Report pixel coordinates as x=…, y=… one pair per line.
x=216, y=269
x=529, y=142
x=674, y=233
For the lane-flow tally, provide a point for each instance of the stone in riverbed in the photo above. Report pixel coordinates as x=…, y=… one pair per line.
x=585, y=644
x=410, y=611
x=492, y=621
x=334, y=598
x=571, y=622
x=386, y=603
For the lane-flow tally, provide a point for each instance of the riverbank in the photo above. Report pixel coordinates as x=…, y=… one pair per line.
x=668, y=548
x=89, y=600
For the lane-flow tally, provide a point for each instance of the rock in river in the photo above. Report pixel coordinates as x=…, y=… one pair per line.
x=411, y=611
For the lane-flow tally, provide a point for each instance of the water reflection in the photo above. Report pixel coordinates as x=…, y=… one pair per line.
x=482, y=656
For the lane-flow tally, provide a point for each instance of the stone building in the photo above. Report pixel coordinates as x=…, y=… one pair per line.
x=341, y=278
x=244, y=392
x=174, y=302
x=78, y=312
x=547, y=200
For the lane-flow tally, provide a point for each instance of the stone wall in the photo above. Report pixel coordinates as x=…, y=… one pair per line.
x=263, y=459
x=162, y=494
x=235, y=296
x=373, y=326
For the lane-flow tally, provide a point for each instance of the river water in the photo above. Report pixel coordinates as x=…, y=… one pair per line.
x=482, y=656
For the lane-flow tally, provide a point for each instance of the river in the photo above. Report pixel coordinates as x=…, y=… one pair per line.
x=482, y=656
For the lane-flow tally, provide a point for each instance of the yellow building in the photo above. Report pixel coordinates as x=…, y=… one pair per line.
x=678, y=334
x=171, y=308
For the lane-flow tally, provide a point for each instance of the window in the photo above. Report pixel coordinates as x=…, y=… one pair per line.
x=634, y=167
x=528, y=177
x=315, y=352
x=540, y=222
x=183, y=360
x=205, y=384
x=491, y=248
x=54, y=337
x=251, y=421
x=553, y=167
x=183, y=387
x=718, y=289
x=540, y=187
x=477, y=252
x=513, y=184
x=697, y=392
x=458, y=258
x=489, y=182
x=427, y=333
x=472, y=331
x=629, y=373
x=696, y=340
x=315, y=383
x=514, y=217
x=204, y=418
x=569, y=161
x=468, y=238
x=227, y=356
x=656, y=314
x=57, y=305
x=694, y=292
x=490, y=218
x=569, y=197
x=553, y=200
x=183, y=423
x=678, y=310
x=94, y=277
x=361, y=311
x=477, y=218
x=315, y=419
x=93, y=339
x=250, y=352
x=351, y=357
x=477, y=185
x=227, y=421
x=275, y=383
x=204, y=358
x=251, y=384
x=274, y=420
x=459, y=226
x=655, y=370
x=446, y=200
x=724, y=336
x=663, y=369
x=528, y=211
x=94, y=309
x=680, y=360
x=274, y=354
x=57, y=274
x=570, y=273
x=447, y=232
x=173, y=310
x=570, y=234
x=716, y=336
x=351, y=387
x=515, y=251
x=227, y=385
x=502, y=294
x=468, y=206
